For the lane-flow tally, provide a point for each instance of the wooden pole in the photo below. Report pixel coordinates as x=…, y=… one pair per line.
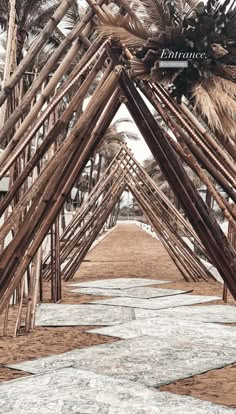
x=215, y=242
x=52, y=61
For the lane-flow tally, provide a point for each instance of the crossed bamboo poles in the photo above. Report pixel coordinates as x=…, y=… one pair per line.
x=39, y=205
x=163, y=216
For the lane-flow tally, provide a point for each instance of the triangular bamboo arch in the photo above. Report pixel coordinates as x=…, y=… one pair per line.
x=124, y=170
x=39, y=206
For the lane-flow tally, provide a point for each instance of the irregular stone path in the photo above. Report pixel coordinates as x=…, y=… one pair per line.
x=119, y=377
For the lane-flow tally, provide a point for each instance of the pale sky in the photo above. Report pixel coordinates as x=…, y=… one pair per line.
x=139, y=148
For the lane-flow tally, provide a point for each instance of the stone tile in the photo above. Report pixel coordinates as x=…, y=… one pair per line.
x=140, y=292
x=158, y=303
x=145, y=313
x=50, y=314
x=119, y=283
x=213, y=313
x=73, y=391
x=73, y=315
x=151, y=361
x=166, y=329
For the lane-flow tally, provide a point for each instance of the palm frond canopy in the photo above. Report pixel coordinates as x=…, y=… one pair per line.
x=153, y=170
x=204, y=34
x=114, y=138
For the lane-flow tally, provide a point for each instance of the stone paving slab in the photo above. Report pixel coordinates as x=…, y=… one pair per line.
x=50, y=314
x=73, y=391
x=151, y=361
x=140, y=292
x=164, y=328
x=157, y=303
x=119, y=283
x=212, y=314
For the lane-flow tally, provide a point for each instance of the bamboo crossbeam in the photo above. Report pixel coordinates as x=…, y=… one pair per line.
x=181, y=265
x=187, y=156
x=209, y=140
x=90, y=223
x=196, y=266
x=84, y=209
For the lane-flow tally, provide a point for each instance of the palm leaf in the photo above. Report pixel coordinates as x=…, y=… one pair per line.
x=152, y=12
x=228, y=86
x=215, y=100
x=204, y=105
x=123, y=29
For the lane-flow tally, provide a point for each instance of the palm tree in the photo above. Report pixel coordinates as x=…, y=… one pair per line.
x=31, y=17
x=185, y=26
x=111, y=142
x=115, y=136
x=152, y=168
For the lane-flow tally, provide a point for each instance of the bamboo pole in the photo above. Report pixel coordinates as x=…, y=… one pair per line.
x=197, y=268
x=8, y=58
x=186, y=155
x=45, y=94
x=172, y=106
x=90, y=206
x=54, y=58
x=68, y=275
x=69, y=173
x=60, y=156
x=198, y=155
x=6, y=320
x=20, y=309
x=35, y=48
x=159, y=231
x=68, y=248
x=211, y=141
x=16, y=148
x=167, y=202
x=222, y=254
x=36, y=287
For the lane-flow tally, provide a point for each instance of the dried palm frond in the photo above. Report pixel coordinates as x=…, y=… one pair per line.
x=140, y=69
x=214, y=99
x=228, y=71
x=124, y=35
x=228, y=86
x=185, y=26
x=152, y=12
x=204, y=105
x=125, y=30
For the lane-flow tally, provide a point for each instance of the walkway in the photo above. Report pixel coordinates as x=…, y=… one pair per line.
x=154, y=343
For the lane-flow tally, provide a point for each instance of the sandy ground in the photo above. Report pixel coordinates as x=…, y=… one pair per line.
x=126, y=252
